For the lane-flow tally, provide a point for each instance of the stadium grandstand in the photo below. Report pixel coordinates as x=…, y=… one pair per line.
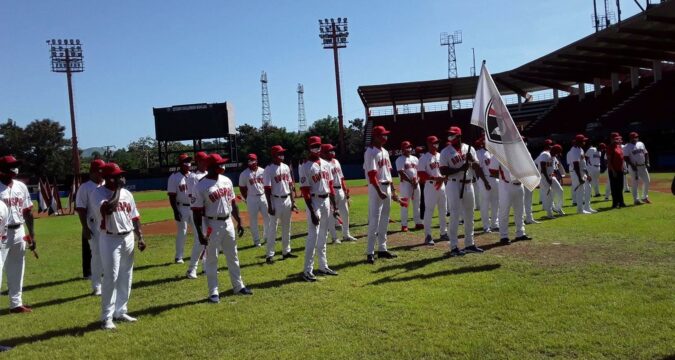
x=621, y=79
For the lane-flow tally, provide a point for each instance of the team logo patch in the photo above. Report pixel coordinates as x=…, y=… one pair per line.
x=492, y=131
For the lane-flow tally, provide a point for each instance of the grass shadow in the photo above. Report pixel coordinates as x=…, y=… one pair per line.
x=151, y=266
x=458, y=271
x=49, y=284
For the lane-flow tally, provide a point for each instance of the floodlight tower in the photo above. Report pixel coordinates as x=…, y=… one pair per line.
x=334, y=35
x=266, y=112
x=66, y=56
x=450, y=40
x=302, y=120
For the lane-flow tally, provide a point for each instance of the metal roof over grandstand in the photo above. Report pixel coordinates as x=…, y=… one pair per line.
x=637, y=42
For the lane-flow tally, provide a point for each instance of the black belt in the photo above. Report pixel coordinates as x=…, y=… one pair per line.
x=596, y=165
x=118, y=234
x=282, y=196
x=183, y=204
x=385, y=183
x=320, y=196
x=465, y=181
x=221, y=218
x=337, y=187
x=261, y=194
x=512, y=183
x=14, y=226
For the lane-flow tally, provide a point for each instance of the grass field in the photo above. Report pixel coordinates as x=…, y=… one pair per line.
x=596, y=286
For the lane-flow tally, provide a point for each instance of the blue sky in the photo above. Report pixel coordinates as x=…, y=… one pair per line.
x=145, y=54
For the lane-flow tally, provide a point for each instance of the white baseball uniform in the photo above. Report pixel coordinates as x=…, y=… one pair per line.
x=434, y=193
x=4, y=247
x=377, y=160
x=256, y=202
x=117, y=251
x=317, y=178
x=545, y=192
x=608, y=189
x=17, y=199
x=180, y=185
x=340, y=201
x=409, y=195
x=557, y=192
x=460, y=207
x=510, y=196
x=636, y=153
x=214, y=197
x=489, y=207
x=85, y=200
x=593, y=162
x=581, y=191
x=278, y=179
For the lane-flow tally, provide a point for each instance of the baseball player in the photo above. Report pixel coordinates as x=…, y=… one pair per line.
x=316, y=185
x=180, y=201
x=214, y=206
x=489, y=207
x=87, y=210
x=381, y=191
x=278, y=183
x=603, y=155
x=119, y=224
x=16, y=197
x=409, y=187
x=637, y=159
x=202, y=160
x=615, y=168
x=544, y=163
x=580, y=179
x=556, y=180
x=4, y=217
x=252, y=189
x=341, y=195
x=593, y=163
x=510, y=196
x=429, y=171
x=419, y=151
x=459, y=164
x=527, y=198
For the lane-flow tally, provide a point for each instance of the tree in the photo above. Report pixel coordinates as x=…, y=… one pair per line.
x=49, y=153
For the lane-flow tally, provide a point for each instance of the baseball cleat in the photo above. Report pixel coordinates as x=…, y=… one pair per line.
x=560, y=212
x=597, y=195
x=309, y=277
x=646, y=201
x=549, y=217
x=337, y=241
x=125, y=318
x=473, y=249
x=269, y=260
x=404, y=229
x=495, y=228
x=592, y=210
x=532, y=221
x=486, y=230
x=419, y=226
x=108, y=324
x=245, y=291
x=348, y=238
x=505, y=241
x=178, y=260
x=288, y=256
x=386, y=255
x=191, y=274
x=584, y=212
x=523, y=237
x=21, y=309
x=326, y=271
x=370, y=259
x=96, y=291
x=428, y=240
x=444, y=237
x=214, y=299
x=257, y=244
x=637, y=202
x=456, y=252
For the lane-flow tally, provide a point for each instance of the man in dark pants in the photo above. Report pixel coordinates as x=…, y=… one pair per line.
x=615, y=170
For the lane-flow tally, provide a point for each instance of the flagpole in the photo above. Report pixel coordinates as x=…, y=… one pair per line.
x=472, y=129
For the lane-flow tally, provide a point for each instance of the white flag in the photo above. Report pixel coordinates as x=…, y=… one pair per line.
x=502, y=138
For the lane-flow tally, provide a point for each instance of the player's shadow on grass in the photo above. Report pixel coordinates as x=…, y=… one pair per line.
x=48, y=284
x=59, y=301
x=148, y=283
x=458, y=271
x=412, y=265
x=151, y=266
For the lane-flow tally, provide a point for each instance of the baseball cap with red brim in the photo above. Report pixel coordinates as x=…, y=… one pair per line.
x=432, y=139
x=327, y=148
x=96, y=165
x=548, y=142
x=314, y=140
x=277, y=149
x=10, y=161
x=200, y=155
x=455, y=130
x=380, y=130
x=216, y=159
x=580, y=137
x=182, y=158
x=112, y=169
x=252, y=157
x=633, y=135
x=405, y=145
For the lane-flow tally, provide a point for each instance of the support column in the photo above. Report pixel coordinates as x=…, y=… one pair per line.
x=658, y=70
x=615, y=82
x=556, y=95
x=421, y=109
x=596, y=87
x=520, y=102
x=450, y=106
x=634, y=77
x=395, y=111
x=582, y=91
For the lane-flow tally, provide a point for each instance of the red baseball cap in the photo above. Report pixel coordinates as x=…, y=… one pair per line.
x=548, y=142
x=183, y=158
x=432, y=139
x=112, y=169
x=455, y=130
x=405, y=145
x=9, y=160
x=556, y=148
x=200, y=155
x=327, y=148
x=419, y=149
x=276, y=149
x=580, y=137
x=216, y=159
x=380, y=130
x=633, y=135
x=252, y=157
x=603, y=146
x=96, y=166
x=313, y=140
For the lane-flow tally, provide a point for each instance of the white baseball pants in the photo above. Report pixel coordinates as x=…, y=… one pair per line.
x=510, y=196
x=282, y=213
x=411, y=199
x=435, y=197
x=181, y=235
x=594, y=172
x=460, y=208
x=117, y=257
x=317, y=235
x=257, y=204
x=557, y=194
x=489, y=203
x=13, y=262
x=643, y=175
x=546, y=196
x=608, y=189
x=222, y=238
x=527, y=203
x=96, y=265
x=343, y=207
x=378, y=218
x=577, y=192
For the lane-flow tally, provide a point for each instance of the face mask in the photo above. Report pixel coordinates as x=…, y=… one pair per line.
x=436, y=145
x=14, y=171
x=315, y=150
x=281, y=157
x=252, y=163
x=331, y=153
x=452, y=137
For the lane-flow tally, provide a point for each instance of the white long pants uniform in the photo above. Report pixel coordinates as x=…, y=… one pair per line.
x=460, y=208
x=412, y=198
x=489, y=203
x=317, y=234
x=594, y=172
x=222, y=238
x=476, y=200
x=282, y=214
x=96, y=265
x=435, y=198
x=378, y=218
x=13, y=262
x=580, y=194
x=642, y=175
x=557, y=194
x=117, y=257
x=510, y=196
x=257, y=204
x=527, y=204
x=181, y=235
x=546, y=196
x=343, y=207
x=608, y=190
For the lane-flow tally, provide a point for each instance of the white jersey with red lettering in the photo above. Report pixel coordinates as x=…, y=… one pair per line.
x=214, y=196
x=635, y=152
x=547, y=159
x=408, y=164
x=194, y=179
x=377, y=159
x=430, y=164
x=278, y=178
x=121, y=219
x=17, y=199
x=179, y=185
x=317, y=176
x=484, y=159
x=455, y=158
x=4, y=215
x=252, y=180
x=85, y=200
x=593, y=156
x=336, y=170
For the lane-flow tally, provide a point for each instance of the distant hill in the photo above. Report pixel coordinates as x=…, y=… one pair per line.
x=89, y=151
